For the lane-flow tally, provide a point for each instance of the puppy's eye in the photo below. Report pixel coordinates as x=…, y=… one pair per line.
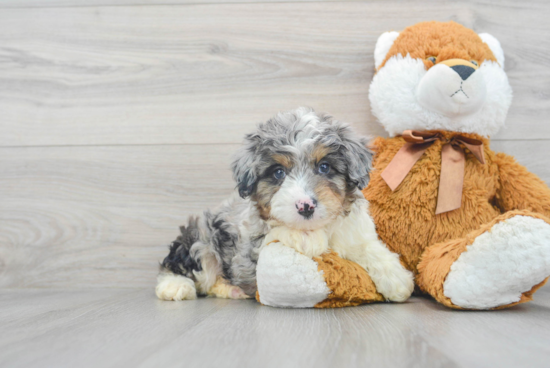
x=433, y=59
x=324, y=168
x=473, y=62
x=279, y=174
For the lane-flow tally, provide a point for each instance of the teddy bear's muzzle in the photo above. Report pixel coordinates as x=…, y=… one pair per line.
x=452, y=88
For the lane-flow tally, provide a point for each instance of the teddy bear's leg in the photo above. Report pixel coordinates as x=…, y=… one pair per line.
x=287, y=278
x=350, y=284
x=500, y=265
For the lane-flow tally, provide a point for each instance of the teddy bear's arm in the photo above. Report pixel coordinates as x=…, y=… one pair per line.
x=519, y=188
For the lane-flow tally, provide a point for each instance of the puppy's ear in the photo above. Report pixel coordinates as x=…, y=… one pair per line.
x=244, y=165
x=358, y=157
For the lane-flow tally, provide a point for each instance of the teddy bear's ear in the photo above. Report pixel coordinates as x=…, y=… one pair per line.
x=383, y=45
x=495, y=47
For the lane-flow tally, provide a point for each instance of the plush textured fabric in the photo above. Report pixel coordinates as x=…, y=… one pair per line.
x=438, y=259
x=519, y=188
x=429, y=243
x=416, y=87
x=406, y=219
x=322, y=282
x=501, y=264
x=287, y=278
x=448, y=40
x=485, y=254
x=494, y=251
x=350, y=283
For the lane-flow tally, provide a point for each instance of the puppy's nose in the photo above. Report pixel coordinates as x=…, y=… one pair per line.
x=463, y=70
x=306, y=207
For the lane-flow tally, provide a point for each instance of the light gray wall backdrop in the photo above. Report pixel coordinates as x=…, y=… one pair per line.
x=118, y=117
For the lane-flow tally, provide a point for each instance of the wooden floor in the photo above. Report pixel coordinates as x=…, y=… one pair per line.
x=118, y=119
x=130, y=328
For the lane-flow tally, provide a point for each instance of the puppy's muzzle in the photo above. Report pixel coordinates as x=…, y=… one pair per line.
x=306, y=208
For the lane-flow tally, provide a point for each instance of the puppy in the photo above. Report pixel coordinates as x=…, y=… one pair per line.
x=298, y=182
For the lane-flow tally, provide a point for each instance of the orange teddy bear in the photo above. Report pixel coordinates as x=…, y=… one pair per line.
x=473, y=225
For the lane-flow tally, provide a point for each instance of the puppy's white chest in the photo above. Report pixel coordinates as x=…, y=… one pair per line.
x=310, y=243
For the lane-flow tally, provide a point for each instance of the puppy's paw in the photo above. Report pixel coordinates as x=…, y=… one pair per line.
x=175, y=287
x=397, y=284
x=223, y=289
x=237, y=293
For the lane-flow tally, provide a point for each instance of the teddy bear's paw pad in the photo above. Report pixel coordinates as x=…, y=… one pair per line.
x=287, y=278
x=175, y=287
x=501, y=264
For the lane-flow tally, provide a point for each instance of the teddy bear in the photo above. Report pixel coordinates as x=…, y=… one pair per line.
x=471, y=224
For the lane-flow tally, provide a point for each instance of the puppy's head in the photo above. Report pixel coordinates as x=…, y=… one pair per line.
x=301, y=169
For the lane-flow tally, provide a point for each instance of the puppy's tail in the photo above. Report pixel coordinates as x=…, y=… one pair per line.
x=179, y=261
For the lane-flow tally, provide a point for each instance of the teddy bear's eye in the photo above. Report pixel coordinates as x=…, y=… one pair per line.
x=433, y=59
x=473, y=62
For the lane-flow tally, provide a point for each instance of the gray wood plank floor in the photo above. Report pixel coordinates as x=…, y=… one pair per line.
x=130, y=328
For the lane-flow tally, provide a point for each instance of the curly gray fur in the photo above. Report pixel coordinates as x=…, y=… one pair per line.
x=234, y=233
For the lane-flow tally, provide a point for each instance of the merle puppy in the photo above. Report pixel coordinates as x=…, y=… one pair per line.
x=298, y=178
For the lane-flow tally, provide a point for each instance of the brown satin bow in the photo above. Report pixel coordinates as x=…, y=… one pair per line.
x=452, y=164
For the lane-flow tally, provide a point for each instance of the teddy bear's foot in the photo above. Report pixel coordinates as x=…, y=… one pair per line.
x=502, y=266
x=287, y=278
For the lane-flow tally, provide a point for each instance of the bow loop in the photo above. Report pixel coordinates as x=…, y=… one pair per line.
x=415, y=136
x=452, y=164
x=474, y=145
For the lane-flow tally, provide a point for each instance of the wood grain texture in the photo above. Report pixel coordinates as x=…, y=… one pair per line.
x=130, y=328
x=206, y=73
x=118, y=121
x=90, y=3
x=102, y=216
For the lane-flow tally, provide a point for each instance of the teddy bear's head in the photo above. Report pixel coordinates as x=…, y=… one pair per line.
x=443, y=76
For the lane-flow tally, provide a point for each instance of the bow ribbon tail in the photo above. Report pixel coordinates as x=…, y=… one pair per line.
x=402, y=163
x=453, y=161
x=475, y=146
x=451, y=180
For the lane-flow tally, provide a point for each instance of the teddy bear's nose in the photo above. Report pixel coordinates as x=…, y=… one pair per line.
x=463, y=70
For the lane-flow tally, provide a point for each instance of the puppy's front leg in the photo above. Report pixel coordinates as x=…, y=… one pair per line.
x=223, y=289
x=354, y=238
x=390, y=277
